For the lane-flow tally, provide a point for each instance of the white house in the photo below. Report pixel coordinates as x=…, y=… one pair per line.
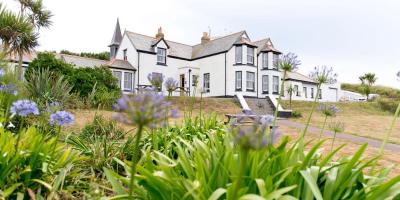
x=222, y=66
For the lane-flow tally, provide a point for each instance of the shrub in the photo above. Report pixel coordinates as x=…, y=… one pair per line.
x=383, y=91
x=49, y=61
x=45, y=87
x=389, y=105
x=101, y=141
x=102, y=55
x=296, y=114
x=41, y=166
x=82, y=80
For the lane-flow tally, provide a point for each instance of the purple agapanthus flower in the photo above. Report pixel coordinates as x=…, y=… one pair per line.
x=24, y=108
x=2, y=72
x=254, y=136
x=10, y=88
x=147, y=108
x=61, y=118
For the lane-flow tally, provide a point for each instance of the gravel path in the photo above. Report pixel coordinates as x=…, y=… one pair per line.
x=353, y=138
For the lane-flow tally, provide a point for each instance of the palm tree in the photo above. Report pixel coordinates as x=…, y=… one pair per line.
x=368, y=80
x=290, y=90
x=288, y=63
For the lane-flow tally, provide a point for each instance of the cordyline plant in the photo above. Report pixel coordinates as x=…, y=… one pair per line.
x=288, y=63
x=145, y=109
x=321, y=75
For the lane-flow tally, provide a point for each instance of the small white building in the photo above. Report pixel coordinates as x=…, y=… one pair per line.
x=222, y=66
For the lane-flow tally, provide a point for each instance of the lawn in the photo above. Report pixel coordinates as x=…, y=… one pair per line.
x=360, y=118
x=222, y=106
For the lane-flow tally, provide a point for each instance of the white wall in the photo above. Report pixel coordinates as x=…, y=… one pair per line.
x=215, y=65
x=131, y=51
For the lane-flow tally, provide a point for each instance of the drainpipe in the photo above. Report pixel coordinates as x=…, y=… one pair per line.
x=189, y=80
x=138, y=68
x=225, y=74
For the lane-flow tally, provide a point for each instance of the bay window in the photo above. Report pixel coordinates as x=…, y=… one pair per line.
x=265, y=84
x=250, y=55
x=275, y=84
x=128, y=81
x=265, y=60
x=238, y=81
x=118, y=75
x=238, y=54
x=250, y=81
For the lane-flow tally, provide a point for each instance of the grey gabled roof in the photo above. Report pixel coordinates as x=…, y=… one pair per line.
x=217, y=45
x=146, y=43
x=79, y=61
x=120, y=64
x=214, y=46
x=266, y=45
x=117, y=36
x=299, y=77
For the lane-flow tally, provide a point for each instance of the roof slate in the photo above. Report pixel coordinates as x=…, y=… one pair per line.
x=82, y=61
x=300, y=77
x=120, y=64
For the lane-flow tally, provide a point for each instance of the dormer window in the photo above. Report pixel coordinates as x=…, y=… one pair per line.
x=125, y=54
x=238, y=54
x=265, y=60
x=250, y=55
x=161, y=56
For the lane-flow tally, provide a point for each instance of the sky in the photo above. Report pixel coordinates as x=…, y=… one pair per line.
x=351, y=36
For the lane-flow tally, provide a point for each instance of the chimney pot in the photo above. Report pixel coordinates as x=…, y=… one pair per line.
x=205, y=38
x=159, y=34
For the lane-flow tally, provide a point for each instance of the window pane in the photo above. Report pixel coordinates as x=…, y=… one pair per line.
x=128, y=81
x=305, y=92
x=265, y=85
x=265, y=60
x=275, y=60
x=161, y=55
x=238, y=80
x=118, y=75
x=206, y=82
x=250, y=55
x=250, y=80
x=238, y=54
x=275, y=84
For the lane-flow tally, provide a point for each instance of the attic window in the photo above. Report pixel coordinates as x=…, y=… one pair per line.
x=125, y=54
x=161, y=56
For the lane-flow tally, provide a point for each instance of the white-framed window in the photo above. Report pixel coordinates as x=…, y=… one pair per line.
x=305, y=92
x=206, y=82
x=250, y=81
x=128, y=81
x=265, y=84
x=250, y=55
x=161, y=55
x=312, y=93
x=296, y=90
x=118, y=75
x=238, y=54
x=238, y=80
x=275, y=84
x=275, y=61
x=265, y=60
x=125, y=54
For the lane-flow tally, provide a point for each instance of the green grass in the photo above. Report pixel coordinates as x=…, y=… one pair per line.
x=360, y=118
x=383, y=91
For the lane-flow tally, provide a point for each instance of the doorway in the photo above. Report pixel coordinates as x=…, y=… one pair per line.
x=182, y=84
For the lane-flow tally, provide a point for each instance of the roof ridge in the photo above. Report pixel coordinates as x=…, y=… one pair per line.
x=242, y=31
x=268, y=38
x=156, y=38
x=62, y=54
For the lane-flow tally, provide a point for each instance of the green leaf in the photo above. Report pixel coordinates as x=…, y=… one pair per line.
x=312, y=184
x=261, y=187
x=112, y=177
x=251, y=197
x=217, y=194
x=10, y=190
x=278, y=194
x=47, y=185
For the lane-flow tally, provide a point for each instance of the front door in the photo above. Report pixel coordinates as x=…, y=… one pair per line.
x=182, y=84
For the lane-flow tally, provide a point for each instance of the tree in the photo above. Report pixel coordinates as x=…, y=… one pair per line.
x=290, y=90
x=368, y=80
x=20, y=32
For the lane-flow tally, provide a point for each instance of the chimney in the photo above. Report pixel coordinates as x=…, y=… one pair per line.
x=205, y=38
x=159, y=34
